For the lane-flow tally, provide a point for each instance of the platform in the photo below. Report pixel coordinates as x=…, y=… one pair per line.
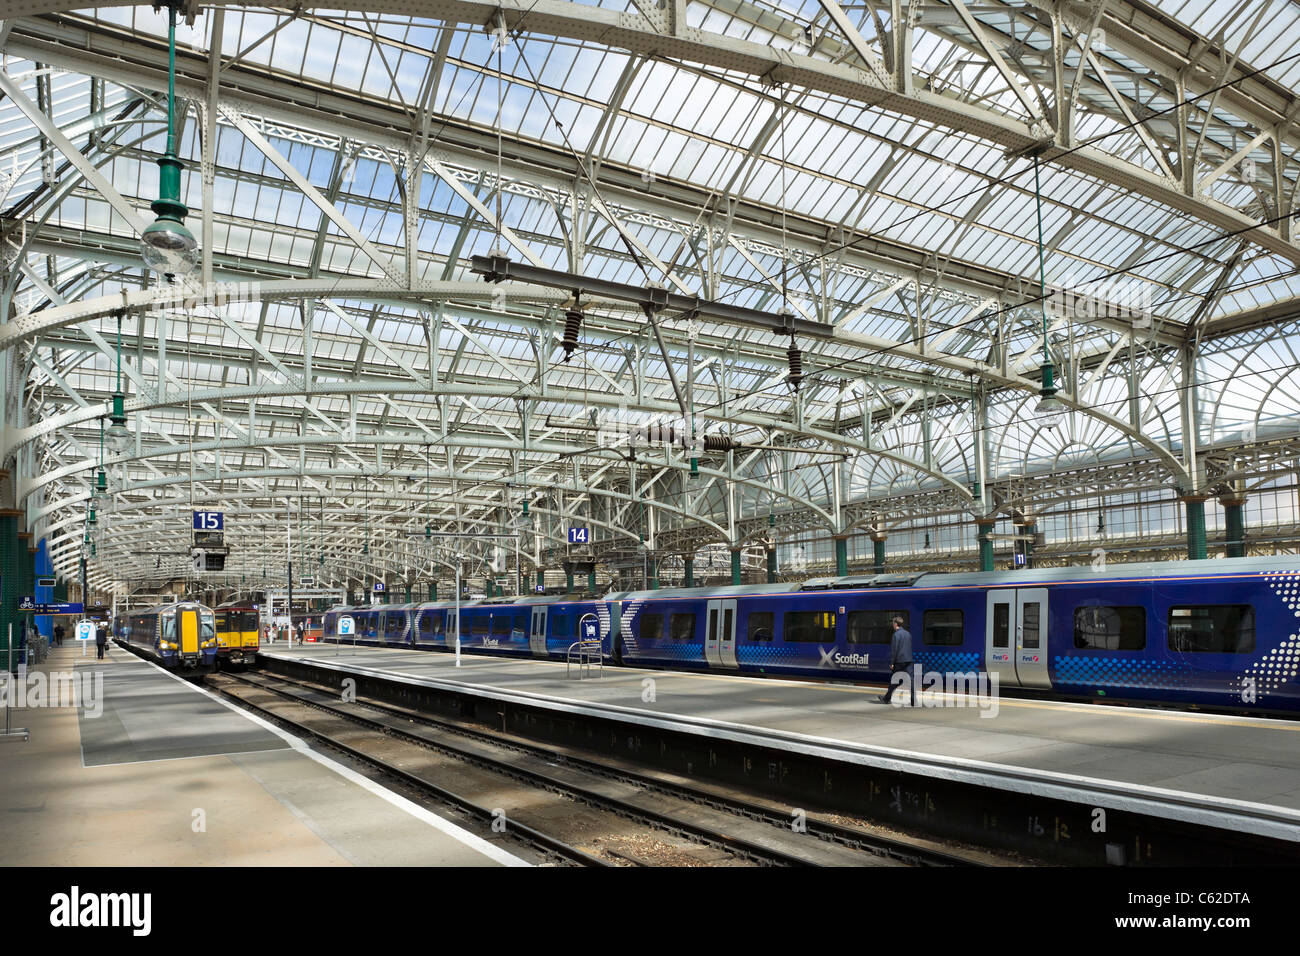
x=1229, y=772
x=168, y=774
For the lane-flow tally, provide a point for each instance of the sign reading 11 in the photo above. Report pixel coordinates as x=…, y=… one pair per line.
x=209, y=521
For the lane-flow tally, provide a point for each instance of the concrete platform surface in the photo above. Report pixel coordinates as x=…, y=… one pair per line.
x=167, y=774
x=1245, y=764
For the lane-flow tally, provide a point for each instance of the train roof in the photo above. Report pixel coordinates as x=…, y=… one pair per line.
x=1019, y=578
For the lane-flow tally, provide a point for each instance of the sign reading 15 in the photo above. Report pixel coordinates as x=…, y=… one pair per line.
x=578, y=536
x=208, y=521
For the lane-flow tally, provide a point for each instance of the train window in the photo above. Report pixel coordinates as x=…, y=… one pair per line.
x=762, y=626
x=816, y=627
x=682, y=627
x=223, y=623
x=393, y=622
x=248, y=621
x=1212, y=629
x=501, y=625
x=521, y=622
x=562, y=624
x=329, y=623
x=426, y=623
x=1001, y=625
x=874, y=627
x=479, y=626
x=652, y=627
x=1110, y=628
x=207, y=627
x=942, y=627
x=1030, y=624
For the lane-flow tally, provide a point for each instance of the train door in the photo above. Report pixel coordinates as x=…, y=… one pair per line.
x=188, y=630
x=1015, y=640
x=720, y=634
x=452, y=629
x=537, y=632
x=1031, y=637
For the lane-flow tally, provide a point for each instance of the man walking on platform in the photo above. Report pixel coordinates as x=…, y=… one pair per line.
x=900, y=660
x=101, y=640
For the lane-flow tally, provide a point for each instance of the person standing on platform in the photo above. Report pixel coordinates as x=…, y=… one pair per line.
x=900, y=660
x=58, y=635
x=101, y=640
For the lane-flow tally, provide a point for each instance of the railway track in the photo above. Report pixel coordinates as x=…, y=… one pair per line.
x=571, y=809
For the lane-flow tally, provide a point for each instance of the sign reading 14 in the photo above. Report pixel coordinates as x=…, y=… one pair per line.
x=209, y=521
x=578, y=536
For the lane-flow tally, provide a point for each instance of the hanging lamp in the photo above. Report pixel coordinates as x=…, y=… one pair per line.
x=167, y=247
x=1050, y=409
x=119, y=436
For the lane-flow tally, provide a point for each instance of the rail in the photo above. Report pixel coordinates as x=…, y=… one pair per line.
x=584, y=654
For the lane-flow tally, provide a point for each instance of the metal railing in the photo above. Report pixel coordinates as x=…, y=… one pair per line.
x=584, y=654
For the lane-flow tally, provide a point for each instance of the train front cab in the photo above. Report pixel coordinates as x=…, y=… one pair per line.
x=190, y=636
x=238, y=633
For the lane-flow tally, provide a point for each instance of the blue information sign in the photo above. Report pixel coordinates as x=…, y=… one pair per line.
x=37, y=607
x=578, y=536
x=379, y=586
x=209, y=521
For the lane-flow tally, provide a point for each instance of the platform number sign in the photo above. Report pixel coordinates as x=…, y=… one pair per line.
x=579, y=536
x=209, y=521
x=1019, y=559
x=379, y=587
x=347, y=626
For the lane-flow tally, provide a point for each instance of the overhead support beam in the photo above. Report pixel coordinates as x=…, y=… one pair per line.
x=499, y=269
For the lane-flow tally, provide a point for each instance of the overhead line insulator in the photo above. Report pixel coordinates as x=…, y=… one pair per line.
x=572, y=324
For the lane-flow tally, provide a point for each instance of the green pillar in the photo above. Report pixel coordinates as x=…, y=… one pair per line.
x=841, y=555
x=1234, y=517
x=10, y=584
x=433, y=590
x=652, y=574
x=568, y=580
x=690, y=573
x=1195, y=527
x=878, y=552
x=591, y=579
x=986, y=545
x=408, y=595
x=27, y=555
x=541, y=578
x=771, y=565
x=735, y=565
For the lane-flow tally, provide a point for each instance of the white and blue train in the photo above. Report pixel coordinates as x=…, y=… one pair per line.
x=1222, y=633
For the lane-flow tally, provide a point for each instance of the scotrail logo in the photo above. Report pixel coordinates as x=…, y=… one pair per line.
x=54, y=689
x=77, y=909
x=834, y=658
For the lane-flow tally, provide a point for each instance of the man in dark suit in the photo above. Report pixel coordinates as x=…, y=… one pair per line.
x=900, y=660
